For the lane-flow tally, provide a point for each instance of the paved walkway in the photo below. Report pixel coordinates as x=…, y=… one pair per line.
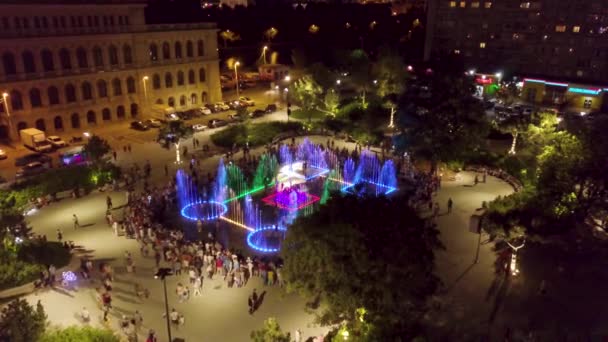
x=221, y=313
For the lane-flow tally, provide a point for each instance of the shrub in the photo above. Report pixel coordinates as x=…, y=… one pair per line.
x=16, y=273
x=254, y=134
x=46, y=253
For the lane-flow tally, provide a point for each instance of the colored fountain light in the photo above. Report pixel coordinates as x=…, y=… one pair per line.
x=291, y=200
x=266, y=239
x=204, y=210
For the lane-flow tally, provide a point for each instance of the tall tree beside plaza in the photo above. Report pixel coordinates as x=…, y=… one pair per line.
x=391, y=75
x=306, y=92
x=368, y=261
x=331, y=101
x=361, y=76
x=440, y=119
x=271, y=332
x=514, y=125
x=22, y=322
x=79, y=334
x=96, y=148
x=173, y=132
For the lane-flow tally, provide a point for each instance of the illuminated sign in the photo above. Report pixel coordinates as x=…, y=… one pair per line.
x=484, y=80
x=533, y=80
x=584, y=91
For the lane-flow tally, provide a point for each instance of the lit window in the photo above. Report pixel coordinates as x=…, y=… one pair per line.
x=515, y=36
x=482, y=45
x=457, y=52
x=463, y=4
x=576, y=29
x=452, y=3
x=524, y=5
x=475, y=4
x=560, y=28
x=571, y=50
x=487, y=5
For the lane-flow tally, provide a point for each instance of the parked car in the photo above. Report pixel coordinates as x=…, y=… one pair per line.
x=172, y=117
x=199, y=127
x=258, y=113
x=138, y=125
x=206, y=111
x=221, y=106
x=56, y=141
x=232, y=104
x=214, y=123
x=271, y=108
x=152, y=123
x=245, y=101
x=33, y=157
x=31, y=169
x=184, y=115
x=3, y=154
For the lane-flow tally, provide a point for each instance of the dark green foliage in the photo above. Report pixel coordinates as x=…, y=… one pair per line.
x=96, y=147
x=22, y=322
x=254, y=134
x=79, y=334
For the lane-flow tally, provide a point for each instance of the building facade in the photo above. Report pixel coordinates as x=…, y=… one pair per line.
x=74, y=66
x=553, y=38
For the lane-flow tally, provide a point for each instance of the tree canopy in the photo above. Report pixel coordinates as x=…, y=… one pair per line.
x=96, y=148
x=21, y=322
x=367, y=260
x=306, y=92
x=79, y=334
x=271, y=332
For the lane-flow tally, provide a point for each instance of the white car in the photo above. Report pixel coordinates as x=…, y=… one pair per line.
x=199, y=127
x=56, y=141
x=3, y=154
x=222, y=106
x=205, y=111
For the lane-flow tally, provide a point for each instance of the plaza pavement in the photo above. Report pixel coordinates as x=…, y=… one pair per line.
x=221, y=313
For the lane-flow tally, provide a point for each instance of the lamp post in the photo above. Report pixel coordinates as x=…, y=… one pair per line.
x=264, y=53
x=145, y=80
x=8, y=113
x=236, y=77
x=162, y=274
x=513, y=263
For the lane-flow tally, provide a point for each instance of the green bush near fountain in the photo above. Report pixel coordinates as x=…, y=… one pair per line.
x=258, y=134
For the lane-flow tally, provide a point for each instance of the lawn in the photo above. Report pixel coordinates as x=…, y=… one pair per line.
x=313, y=114
x=255, y=134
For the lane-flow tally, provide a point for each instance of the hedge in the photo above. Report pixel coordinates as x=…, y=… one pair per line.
x=255, y=134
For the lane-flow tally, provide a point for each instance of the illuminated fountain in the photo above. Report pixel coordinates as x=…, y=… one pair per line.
x=193, y=207
x=370, y=177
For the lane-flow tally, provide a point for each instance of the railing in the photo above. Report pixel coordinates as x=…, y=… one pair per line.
x=498, y=173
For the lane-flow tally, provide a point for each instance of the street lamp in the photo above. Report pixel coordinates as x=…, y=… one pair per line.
x=338, y=81
x=144, y=80
x=513, y=265
x=236, y=77
x=162, y=274
x=498, y=76
x=264, y=53
x=8, y=113
x=287, y=78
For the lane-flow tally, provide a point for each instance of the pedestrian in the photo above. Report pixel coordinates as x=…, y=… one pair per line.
x=129, y=148
x=485, y=174
x=476, y=179
x=59, y=235
x=174, y=316
x=85, y=315
x=109, y=202
x=254, y=296
x=297, y=335
x=139, y=320
x=250, y=303
x=124, y=148
x=114, y=155
x=151, y=336
x=450, y=203
x=166, y=170
x=76, y=224
x=198, y=284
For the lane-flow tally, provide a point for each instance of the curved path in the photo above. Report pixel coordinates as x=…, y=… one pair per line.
x=220, y=314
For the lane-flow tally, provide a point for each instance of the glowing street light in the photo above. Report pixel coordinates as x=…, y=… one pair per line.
x=498, y=76
x=472, y=72
x=8, y=113
x=236, y=77
x=287, y=78
x=338, y=81
x=410, y=68
x=145, y=80
x=264, y=53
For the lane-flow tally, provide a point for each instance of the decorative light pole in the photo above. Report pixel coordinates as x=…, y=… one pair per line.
x=236, y=77
x=264, y=53
x=8, y=113
x=513, y=264
x=162, y=274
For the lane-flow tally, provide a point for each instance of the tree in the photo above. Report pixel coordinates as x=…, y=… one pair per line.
x=174, y=132
x=508, y=93
x=270, y=34
x=360, y=73
x=332, y=101
x=96, y=148
x=391, y=75
x=271, y=332
x=79, y=334
x=306, y=92
x=21, y=322
x=229, y=36
x=365, y=259
x=440, y=119
x=514, y=125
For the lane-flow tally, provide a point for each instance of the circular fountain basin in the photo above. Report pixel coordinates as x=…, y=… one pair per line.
x=204, y=210
x=266, y=239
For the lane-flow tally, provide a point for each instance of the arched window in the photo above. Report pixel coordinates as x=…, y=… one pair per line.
x=8, y=62
x=182, y=100
x=16, y=100
x=191, y=77
x=202, y=75
x=58, y=123
x=171, y=102
x=159, y=101
x=189, y=49
x=193, y=99
x=29, y=65
x=41, y=125
x=75, y=119
x=64, y=59
x=153, y=51
x=156, y=81
x=106, y=115
x=120, y=112
x=116, y=87
x=131, y=85
x=97, y=57
x=166, y=51
x=200, y=48
x=127, y=55
x=180, y=78
x=134, y=110
x=47, y=60
x=168, y=80
x=53, y=94
x=87, y=91
x=70, y=93
x=81, y=56
x=35, y=99
x=91, y=117
x=178, y=50
x=113, y=52
x=204, y=98
x=102, y=88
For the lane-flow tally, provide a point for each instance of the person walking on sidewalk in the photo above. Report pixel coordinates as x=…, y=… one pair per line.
x=109, y=202
x=75, y=219
x=450, y=204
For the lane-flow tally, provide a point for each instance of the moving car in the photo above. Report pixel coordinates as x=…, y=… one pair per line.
x=258, y=113
x=138, y=125
x=56, y=141
x=214, y=123
x=245, y=101
x=31, y=169
x=152, y=123
x=3, y=154
x=271, y=108
x=32, y=157
x=199, y=127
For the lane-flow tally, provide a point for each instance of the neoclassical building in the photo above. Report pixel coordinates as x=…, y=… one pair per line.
x=81, y=64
